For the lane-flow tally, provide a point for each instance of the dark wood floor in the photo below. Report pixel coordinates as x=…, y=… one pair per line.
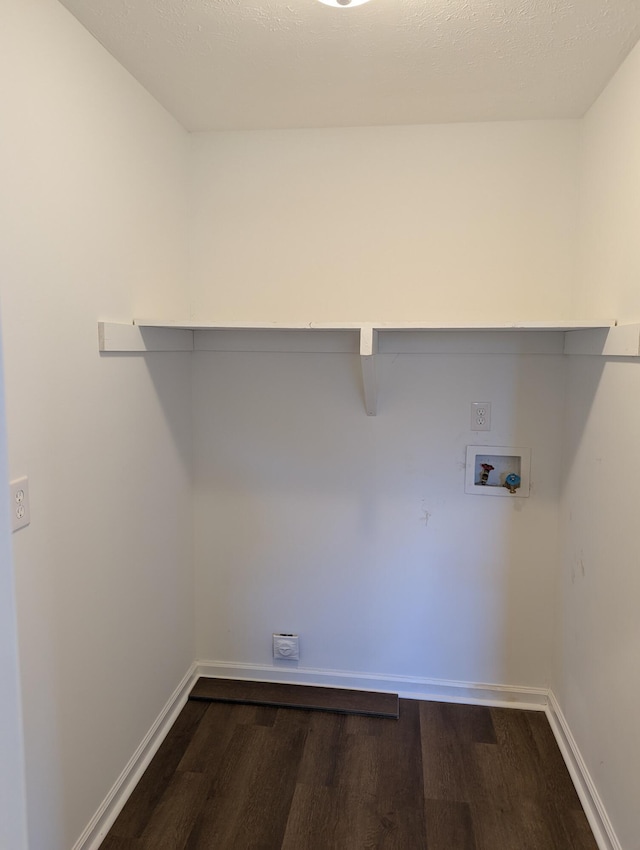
x=442, y=777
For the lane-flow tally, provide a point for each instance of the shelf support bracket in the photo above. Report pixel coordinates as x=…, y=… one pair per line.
x=368, y=354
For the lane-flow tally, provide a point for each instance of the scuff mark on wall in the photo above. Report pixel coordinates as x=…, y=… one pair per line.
x=579, y=564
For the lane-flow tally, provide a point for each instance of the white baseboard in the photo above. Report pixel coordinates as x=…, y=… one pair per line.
x=114, y=802
x=405, y=686
x=594, y=809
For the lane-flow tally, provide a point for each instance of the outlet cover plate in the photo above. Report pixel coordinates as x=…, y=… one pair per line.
x=19, y=503
x=480, y=415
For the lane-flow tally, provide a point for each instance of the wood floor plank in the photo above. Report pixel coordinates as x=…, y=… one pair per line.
x=340, y=819
x=445, y=761
x=209, y=741
x=360, y=790
x=492, y=827
x=400, y=758
x=519, y=754
x=449, y=825
x=176, y=813
x=475, y=724
x=372, y=764
x=296, y=696
x=358, y=724
x=579, y=832
x=558, y=782
x=531, y=827
x=112, y=842
x=568, y=822
x=132, y=820
x=250, y=797
x=486, y=781
x=319, y=761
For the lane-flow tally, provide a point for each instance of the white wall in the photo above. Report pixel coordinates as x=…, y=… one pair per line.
x=598, y=635
x=609, y=250
x=470, y=222
x=13, y=822
x=93, y=217
x=311, y=516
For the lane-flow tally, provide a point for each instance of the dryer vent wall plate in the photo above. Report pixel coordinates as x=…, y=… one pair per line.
x=286, y=647
x=498, y=471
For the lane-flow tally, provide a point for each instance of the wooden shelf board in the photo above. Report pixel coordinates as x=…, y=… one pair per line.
x=551, y=325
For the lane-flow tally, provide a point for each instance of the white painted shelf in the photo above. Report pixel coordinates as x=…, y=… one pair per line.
x=369, y=339
x=560, y=325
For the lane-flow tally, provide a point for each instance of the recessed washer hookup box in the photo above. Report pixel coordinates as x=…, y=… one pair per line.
x=498, y=471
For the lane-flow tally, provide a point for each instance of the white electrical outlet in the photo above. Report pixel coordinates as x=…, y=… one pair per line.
x=286, y=647
x=19, y=502
x=481, y=416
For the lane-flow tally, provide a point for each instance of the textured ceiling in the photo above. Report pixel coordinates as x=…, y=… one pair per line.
x=248, y=64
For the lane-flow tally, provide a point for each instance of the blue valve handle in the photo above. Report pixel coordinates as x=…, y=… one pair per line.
x=512, y=481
